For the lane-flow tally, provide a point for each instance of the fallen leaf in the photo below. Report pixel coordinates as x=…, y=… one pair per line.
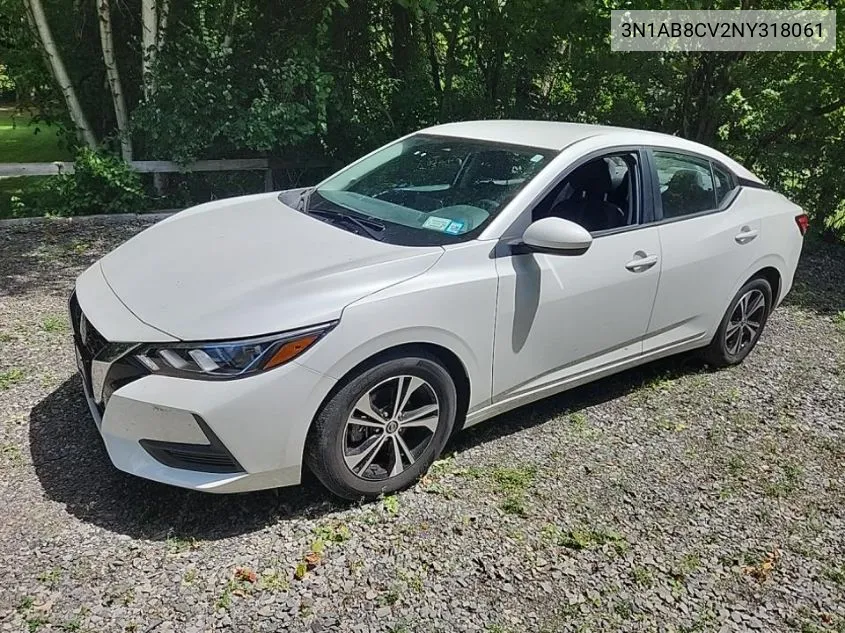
x=245, y=574
x=312, y=559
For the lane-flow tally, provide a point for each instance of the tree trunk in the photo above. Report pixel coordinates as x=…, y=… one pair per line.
x=149, y=42
x=163, y=15
x=230, y=31
x=57, y=68
x=107, y=42
x=433, y=63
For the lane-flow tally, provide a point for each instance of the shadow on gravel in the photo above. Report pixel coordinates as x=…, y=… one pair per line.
x=45, y=258
x=72, y=465
x=820, y=279
x=74, y=469
x=574, y=400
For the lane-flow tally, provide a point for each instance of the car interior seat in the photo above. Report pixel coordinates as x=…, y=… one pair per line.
x=589, y=205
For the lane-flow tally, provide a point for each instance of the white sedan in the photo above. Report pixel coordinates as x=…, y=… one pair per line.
x=447, y=277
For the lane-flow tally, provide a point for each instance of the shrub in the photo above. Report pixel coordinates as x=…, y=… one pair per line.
x=835, y=222
x=101, y=183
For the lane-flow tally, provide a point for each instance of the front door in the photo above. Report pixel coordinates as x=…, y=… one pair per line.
x=562, y=317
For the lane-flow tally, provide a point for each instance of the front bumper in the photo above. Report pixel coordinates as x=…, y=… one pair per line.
x=214, y=436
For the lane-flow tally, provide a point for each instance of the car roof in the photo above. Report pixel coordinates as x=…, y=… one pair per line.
x=556, y=135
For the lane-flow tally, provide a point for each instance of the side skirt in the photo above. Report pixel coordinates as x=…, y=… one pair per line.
x=491, y=410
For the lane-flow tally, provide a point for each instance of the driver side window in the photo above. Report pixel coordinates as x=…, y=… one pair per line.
x=600, y=195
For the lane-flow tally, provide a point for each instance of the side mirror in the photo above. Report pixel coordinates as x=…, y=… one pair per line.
x=557, y=236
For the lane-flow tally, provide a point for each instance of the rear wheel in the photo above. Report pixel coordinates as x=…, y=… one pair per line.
x=742, y=325
x=382, y=430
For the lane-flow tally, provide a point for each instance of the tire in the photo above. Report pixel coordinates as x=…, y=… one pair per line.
x=353, y=452
x=736, y=336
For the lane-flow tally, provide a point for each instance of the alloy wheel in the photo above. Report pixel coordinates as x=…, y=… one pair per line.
x=390, y=427
x=746, y=319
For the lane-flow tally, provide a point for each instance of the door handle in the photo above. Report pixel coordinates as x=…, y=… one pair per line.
x=641, y=262
x=745, y=235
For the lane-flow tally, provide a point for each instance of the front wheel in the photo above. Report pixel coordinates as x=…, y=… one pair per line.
x=383, y=428
x=742, y=325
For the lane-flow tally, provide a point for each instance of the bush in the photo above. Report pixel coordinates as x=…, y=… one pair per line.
x=101, y=183
x=835, y=222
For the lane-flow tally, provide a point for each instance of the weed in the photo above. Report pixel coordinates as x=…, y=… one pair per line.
x=10, y=377
x=687, y=565
x=190, y=576
x=836, y=574
x=334, y=533
x=391, y=504
x=51, y=577
x=5, y=337
x=787, y=483
x=514, y=480
x=25, y=604
x=642, y=576
x=272, y=580
x=312, y=558
x=839, y=321
x=624, y=609
x=36, y=622
x=225, y=599
x=579, y=539
x=54, y=324
x=180, y=544
x=736, y=465
x=72, y=625
x=389, y=597
x=732, y=395
x=414, y=580
x=514, y=504
x=12, y=453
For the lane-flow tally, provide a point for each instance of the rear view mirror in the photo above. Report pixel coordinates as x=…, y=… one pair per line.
x=557, y=236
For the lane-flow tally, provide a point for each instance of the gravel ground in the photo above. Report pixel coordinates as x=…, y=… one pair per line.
x=668, y=498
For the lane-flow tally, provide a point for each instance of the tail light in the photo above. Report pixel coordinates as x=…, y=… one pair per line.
x=803, y=222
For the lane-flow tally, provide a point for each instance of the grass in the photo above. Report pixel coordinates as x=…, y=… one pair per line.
x=54, y=323
x=22, y=142
x=584, y=538
x=10, y=377
x=839, y=321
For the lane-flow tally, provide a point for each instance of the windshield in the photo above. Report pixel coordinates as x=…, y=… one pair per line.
x=430, y=190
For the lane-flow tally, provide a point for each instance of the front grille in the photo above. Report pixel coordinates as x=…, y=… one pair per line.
x=89, y=340
x=94, y=346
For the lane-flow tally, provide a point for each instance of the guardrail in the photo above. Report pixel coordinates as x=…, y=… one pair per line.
x=267, y=165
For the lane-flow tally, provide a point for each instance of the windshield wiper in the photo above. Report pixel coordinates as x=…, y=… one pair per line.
x=372, y=229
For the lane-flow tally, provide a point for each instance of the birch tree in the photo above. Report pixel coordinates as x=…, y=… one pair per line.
x=38, y=20
x=154, y=16
x=113, y=75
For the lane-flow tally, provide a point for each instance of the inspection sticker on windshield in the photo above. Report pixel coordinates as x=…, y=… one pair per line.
x=436, y=224
x=454, y=228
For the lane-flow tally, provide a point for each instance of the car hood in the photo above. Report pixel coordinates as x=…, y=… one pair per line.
x=250, y=266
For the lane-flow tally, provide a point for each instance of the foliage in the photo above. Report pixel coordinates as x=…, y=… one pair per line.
x=101, y=183
x=336, y=78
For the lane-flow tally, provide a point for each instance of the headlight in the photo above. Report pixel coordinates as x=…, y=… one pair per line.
x=229, y=359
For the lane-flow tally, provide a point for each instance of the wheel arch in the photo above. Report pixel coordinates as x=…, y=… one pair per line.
x=771, y=268
x=454, y=364
x=773, y=276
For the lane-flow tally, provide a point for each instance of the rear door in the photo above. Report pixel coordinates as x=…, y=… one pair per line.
x=708, y=239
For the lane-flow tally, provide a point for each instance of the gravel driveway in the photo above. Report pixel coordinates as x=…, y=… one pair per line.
x=668, y=498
